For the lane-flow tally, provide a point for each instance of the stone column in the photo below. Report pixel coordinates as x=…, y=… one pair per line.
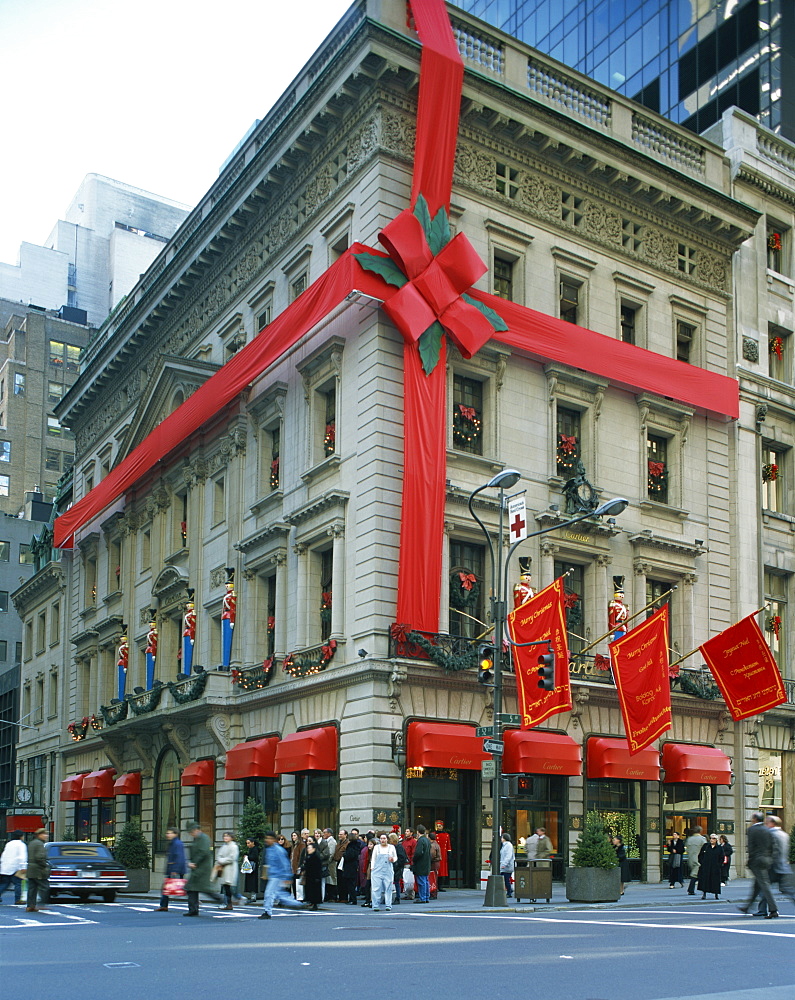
x=548, y=552
x=337, y=533
x=603, y=593
x=444, y=598
x=280, y=636
x=687, y=631
x=302, y=594
x=638, y=589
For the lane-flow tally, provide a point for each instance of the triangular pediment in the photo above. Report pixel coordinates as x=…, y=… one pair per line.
x=172, y=382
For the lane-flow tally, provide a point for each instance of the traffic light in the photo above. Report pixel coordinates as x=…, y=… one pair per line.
x=546, y=671
x=486, y=664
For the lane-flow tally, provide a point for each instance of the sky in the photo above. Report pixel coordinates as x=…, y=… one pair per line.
x=155, y=93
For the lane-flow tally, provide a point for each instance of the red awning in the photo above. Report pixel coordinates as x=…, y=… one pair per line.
x=610, y=758
x=72, y=788
x=699, y=765
x=128, y=784
x=29, y=824
x=255, y=759
x=535, y=751
x=444, y=744
x=309, y=750
x=200, y=772
x=99, y=784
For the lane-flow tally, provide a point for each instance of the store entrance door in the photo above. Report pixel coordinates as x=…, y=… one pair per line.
x=452, y=798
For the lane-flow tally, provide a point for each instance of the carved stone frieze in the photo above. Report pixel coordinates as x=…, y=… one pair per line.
x=218, y=576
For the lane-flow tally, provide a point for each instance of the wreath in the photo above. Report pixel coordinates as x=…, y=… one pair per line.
x=464, y=590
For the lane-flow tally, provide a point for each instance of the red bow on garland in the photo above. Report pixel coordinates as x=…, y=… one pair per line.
x=468, y=580
x=568, y=445
x=656, y=469
x=467, y=412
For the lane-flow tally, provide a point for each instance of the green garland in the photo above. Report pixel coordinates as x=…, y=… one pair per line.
x=148, y=702
x=185, y=691
x=451, y=662
x=460, y=597
x=698, y=685
x=114, y=713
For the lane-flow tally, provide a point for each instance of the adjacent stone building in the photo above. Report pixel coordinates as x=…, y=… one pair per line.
x=585, y=206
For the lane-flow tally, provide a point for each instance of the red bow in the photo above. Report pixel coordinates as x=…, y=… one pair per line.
x=601, y=662
x=435, y=284
x=656, y=469
x=468, y=580
x=568, y=445
x=467, y=412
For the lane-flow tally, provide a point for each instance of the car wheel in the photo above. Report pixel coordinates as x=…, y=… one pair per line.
x=109, y=895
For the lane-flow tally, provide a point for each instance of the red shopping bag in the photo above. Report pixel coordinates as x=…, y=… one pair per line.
x=432, y=884
x=174, y=887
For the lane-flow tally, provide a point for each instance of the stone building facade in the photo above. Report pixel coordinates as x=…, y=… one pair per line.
x=585, y=207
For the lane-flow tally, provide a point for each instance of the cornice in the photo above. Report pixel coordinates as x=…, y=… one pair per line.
x=277, y=529
x=677, y=546
x=328, y=501
x=769, y=188
x=48, y=581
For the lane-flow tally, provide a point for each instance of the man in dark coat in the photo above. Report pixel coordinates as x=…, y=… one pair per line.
x=201, y=866
x=38, y=871
x=760, y=858
x=421, y=866
x=176, y=864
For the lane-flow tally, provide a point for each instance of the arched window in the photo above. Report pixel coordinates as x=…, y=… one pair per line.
x=167, y=799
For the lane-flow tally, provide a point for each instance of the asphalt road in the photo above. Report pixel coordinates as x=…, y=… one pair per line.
x=98, y=950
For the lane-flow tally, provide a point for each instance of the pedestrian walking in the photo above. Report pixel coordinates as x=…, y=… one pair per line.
x=13, y=862
x=421, y=866
x=507, y=863
x=623, y=863
x=226, y=867
x=710, y=866
x=38, y=872
x=200, y=869
x=780, y=870
x=409, y=844
x=250, y=869
x=759, y=842
x=676, y=851
x=693, y=846
x=280, y=874
x=312, y=873
x=331, y=865
x=365, y=885
x=544, y=846
x=728, y=850
x=382, y=873
x=176, y=865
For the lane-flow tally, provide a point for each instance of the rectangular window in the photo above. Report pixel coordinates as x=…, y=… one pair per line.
x=685, y=258
x=779, y=348
x=55, y=624
x=25, y=555
x=330, y=422
x=54, y=428
x=569, y=437
x=467, y=589
x=631, y=235
x=657, y=455
x=52, y=460
x=571, y=209
x=5, y=551
x=298, y=285
x=629, y=317
x=146, y=550
x=5, y=451
x=19, y=384
x=775, y=624
x=219, y=500
x=657, y=594
x=90, y=592
x=326, y=578
x=55, y=392
x=114, y=565
x=468, y=415
x=506, y=180
x=574, y=591
x=41, y=631
x=3, y=651
x=65, y=356
x=777, y=247
x=274, y=464
x=685, y=334
x=503, y=278
x=569, y=300
x=5, y=486
x=773, y=478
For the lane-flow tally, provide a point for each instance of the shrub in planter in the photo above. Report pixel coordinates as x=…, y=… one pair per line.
x=594, y=876
x=132, y=851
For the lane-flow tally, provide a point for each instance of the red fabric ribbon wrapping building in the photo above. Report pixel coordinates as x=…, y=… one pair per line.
x=640, y=670
x=542, y=617
x=744, y=669
x=434, y=290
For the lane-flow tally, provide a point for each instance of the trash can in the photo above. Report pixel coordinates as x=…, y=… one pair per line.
x=534, y=881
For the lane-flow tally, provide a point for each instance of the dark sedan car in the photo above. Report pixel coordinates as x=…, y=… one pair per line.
x=83, y=869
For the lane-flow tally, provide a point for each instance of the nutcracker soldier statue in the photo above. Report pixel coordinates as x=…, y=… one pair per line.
x=122, y=662
x=228, y=619
x=617, y=611
x=151, y=649
x=445, y=846
x=188, y=634
x=523, y=591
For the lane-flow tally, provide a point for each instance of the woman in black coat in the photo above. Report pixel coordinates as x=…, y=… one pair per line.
x=251, y=881
x=312, y=872
x=728, y=850
x=350, y=871
x=710, y=860
x=676, y=849
x=623, y=863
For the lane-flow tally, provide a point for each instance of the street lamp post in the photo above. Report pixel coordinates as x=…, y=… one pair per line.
x=508, y=478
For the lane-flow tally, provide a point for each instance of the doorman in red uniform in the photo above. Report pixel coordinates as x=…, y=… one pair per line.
x=443, y=840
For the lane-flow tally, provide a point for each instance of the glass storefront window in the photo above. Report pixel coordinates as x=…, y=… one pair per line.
x=106, y=816
x=204, y=810
x=686, y=805
x=316, y=799
x=769, y=770
x=83, y=830
x=620, y=807
x=168, y=792
x=539, y=802
x=266, y=792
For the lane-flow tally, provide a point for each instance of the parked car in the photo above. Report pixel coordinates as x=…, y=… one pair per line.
x=85, y=869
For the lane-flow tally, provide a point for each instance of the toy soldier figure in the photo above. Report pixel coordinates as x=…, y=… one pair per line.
x=523, y=591
x=228, y=619
x=188, y=634
x=122, y=662
x=617, y=611
x=151, y=650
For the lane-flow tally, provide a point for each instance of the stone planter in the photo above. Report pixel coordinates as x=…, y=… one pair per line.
x=139, y=880
x=593, y=885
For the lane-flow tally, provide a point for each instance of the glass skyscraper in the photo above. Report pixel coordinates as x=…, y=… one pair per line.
x=689, y=60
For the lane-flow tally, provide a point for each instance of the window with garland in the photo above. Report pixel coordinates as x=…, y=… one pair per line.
x=774, y=462
x=777, y=587
x=467, y=597
x=573, y=602
x=330, y=422
x=777, y=245
x=779, y=354
x=569, y=436
x=468, y=415
x=326, y=576
x=657, y=464
x=274, y=480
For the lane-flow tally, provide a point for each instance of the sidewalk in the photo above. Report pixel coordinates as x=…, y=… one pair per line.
x=656, y=894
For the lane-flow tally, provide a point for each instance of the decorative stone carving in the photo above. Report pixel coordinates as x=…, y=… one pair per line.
x=474, y=167
x=220, y=728
x=724, y=721
x=114, y=752
x=218, y=576
x=142, y=743
x=660, y=248
x=751, y=350
x=399, y=133
x=539, y=196
x=179, y=738
x=602, y=223
x=711, y=270
x=580, y=699
x=394, y=684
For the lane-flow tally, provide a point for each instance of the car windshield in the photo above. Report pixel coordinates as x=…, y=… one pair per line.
x=78, y=850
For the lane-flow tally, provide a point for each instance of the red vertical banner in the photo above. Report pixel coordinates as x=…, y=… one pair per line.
x=542, y=617
x=640, y=670
x=744, y=669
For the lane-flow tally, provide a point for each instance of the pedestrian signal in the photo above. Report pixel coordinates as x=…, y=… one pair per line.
x=546, y=671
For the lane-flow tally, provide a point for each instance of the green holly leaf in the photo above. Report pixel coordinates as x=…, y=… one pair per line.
x=384, y=266
x=439, y=235
x=423, y=214
x=430, y=345
x=493, y=317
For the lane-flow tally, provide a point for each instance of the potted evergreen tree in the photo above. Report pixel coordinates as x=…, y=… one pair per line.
x=132, y=851
x=252, y=825
x=594, y=875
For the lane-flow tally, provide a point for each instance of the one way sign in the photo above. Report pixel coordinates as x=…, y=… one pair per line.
x=517, y=518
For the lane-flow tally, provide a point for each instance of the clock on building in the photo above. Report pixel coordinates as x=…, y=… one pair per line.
x=24, y=794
